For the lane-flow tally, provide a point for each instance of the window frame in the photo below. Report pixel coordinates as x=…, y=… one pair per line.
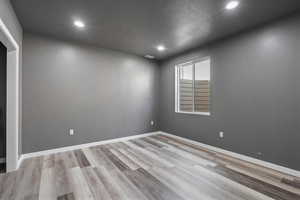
x=177, y=93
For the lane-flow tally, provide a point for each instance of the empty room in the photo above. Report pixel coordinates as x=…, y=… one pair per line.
x=149, y=100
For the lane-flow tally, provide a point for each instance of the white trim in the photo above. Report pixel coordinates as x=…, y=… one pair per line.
x=177, y=91
x=81, y=146
x=194, y=113
x=2, y=160
x=240, y=156
x=12, y=131
x=192, y=59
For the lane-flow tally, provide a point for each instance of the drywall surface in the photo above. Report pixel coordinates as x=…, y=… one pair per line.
x=101, y=94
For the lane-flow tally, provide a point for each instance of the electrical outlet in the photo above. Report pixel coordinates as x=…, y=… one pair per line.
x=221, y=134
x=259, y=153
x=152, y=123
x=71, y=132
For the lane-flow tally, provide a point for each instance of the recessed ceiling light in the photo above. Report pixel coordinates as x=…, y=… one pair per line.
x=149, y=56
x=232, y=5
x=79, y=24
x=161, y=48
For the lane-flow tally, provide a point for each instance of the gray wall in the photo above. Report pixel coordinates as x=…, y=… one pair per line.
x=255, y=94
x=10, y=19
x=102, y=94
x=3, y=54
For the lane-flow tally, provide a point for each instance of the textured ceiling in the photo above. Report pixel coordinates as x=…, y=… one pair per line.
x=138, y=26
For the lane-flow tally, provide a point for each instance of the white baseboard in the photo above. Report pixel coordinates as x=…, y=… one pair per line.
x=240, y=156
x=2, y=160
x=80, y=146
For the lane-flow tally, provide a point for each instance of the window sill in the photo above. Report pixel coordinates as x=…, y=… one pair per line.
x=194, y=113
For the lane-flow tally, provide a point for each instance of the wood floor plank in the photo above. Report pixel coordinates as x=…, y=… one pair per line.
x=69, y=196
x=205, y=185
x=90, y=157
x=49, y=161
x=29, y=181
x=172, y=157
x=81, y=159
x=80, y=187
x=153, y=142
x=210, y=156
x=120, y=145
x=261, y=178
x=8, y=185
x=114, y=159
x=260, y=186
x=186, y=156
x=118, y=184
x=150, y=155
x=95, y=184
x=181, y=187
x=263, y=173
x=47, y=187
x=150, y=186
x=157, y=141
x=144, y=144
x=135, y=158
x=145, y=161
x=229, y=185
x=125, y=159
x=62, y=176
x=291, y=182
x=114, y=190
x=70, y=159
x=101, y=159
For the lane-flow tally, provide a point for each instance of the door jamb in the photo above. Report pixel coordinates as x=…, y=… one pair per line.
x=13, y=94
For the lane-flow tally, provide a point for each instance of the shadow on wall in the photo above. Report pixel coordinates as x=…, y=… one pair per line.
x=3, y=53
x=2, y=132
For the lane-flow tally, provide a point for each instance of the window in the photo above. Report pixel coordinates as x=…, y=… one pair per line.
x=192, y=87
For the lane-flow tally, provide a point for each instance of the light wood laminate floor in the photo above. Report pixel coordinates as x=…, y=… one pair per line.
x=151, y=168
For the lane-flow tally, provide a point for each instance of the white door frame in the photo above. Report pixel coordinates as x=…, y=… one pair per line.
x=12, y=107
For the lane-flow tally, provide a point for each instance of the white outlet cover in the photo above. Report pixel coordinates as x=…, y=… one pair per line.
x=71, y=131
x=221, y=134
x=152, y=123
